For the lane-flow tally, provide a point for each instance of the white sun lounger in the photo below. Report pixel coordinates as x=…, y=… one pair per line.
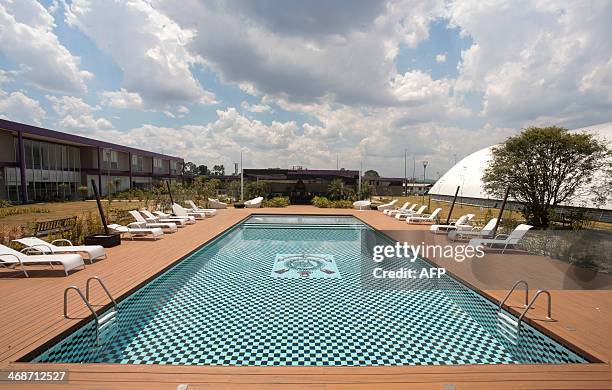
x=460, y=224
x=189, y=218
x=194, y=208
x=179, y=221
x=155, y=233
x=404, y=215
x=387, y=206
x=10, y=257
x=402, y=209
x=168, y=227
x=362, y=205
x=504, y=240
x=427, y=218
x=254, y=203
x=216, y=204
x=398, y=209
x=91, y=252
x=180, y=211
x=474, y=232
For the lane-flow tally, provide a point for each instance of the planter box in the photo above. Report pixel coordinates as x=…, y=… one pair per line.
x=107, y=241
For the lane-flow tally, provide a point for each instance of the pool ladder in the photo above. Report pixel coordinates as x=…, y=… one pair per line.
x=102, y=322
x=510, y=328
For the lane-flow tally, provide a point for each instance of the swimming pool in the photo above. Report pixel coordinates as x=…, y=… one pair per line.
x=289, y=291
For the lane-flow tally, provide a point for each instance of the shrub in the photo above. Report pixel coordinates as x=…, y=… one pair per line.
x=277, y=201
x=8, y=234
x=8, y=211
x=83, y=191
x=324, y=203
x=321, y=202
x=342, y=204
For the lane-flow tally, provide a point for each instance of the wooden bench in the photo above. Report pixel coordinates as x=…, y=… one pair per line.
x=45, y=228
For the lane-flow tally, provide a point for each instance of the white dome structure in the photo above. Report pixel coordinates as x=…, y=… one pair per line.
x=468, y=173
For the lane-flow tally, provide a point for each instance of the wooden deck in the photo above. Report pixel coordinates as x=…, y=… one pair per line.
x=31, y=315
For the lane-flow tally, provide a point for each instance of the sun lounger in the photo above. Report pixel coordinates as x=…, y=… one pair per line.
x=189, y=218
x=10, y=258
x=392, y=211
x=404, y=215
x=253, y=203
x=216, y=204
x=503, y=240
x=155, y=233
x=362, y=205
x=387, y=206
x=460, y=224
x=194, y=208
x=402, y=209
x=487, y=230
x=179, y=221
x=168, y=227
x=180, y=211
x=424, y=218
x=91, y=252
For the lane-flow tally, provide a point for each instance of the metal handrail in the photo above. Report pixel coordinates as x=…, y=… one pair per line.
x=108, y=294
x=537, y=294
x=78, y=290
x=512, y=289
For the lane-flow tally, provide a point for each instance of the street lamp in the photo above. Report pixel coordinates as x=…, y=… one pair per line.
x=425, y=162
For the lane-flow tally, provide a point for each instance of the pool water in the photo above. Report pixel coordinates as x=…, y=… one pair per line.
x=289, y=291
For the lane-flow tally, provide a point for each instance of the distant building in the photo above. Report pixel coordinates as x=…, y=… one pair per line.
x=301, y=184
x=39, y=164
x=394, y=186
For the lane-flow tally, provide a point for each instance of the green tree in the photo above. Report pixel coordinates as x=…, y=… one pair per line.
x=218, y=170
x=371, y=173
x=256, y=188
x=203, y=170
x=544, y=167
x=190, y=169
x=233, y=189
x=336, y=189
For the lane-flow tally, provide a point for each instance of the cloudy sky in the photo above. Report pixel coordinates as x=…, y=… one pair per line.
x=304, y=82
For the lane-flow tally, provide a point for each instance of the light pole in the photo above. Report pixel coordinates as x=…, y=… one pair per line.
x=425, y=162
x=405, y=172
x=241, y=179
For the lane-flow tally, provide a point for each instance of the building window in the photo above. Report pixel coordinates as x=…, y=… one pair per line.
x=137, y=163
x=111, y=157
x=157, y=163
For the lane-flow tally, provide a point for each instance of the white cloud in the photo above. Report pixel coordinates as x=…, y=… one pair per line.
x=27, y=39
x=349, y=58
x=441, y=58
x=418, y=87
x=255, y=107
x=18, y=107
x=538, y=60
x=121, y=99
x=150, y=48
x=76, y=115
x=4, y=77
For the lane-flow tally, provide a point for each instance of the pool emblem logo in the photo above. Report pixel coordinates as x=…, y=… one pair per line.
x=304, y=266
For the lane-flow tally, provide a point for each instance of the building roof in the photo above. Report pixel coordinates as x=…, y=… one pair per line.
x=53, y=135
x=468, y=173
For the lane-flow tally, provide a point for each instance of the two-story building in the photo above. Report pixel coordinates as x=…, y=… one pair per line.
x=38, y=164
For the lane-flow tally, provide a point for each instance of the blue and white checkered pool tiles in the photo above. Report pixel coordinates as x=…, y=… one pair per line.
x=222, y=305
